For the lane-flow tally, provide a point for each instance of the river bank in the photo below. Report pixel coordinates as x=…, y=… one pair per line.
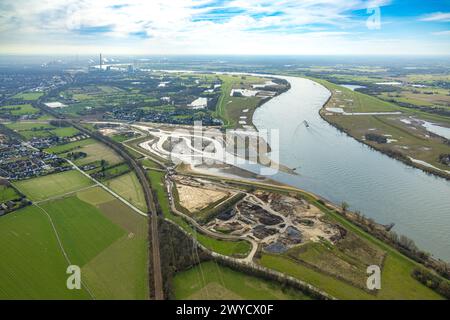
x=421, y=165
x=341, y=169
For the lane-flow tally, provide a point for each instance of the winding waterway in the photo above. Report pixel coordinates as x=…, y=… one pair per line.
x=339, y=168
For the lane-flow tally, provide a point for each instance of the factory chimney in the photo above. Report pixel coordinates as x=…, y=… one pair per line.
x=101, y=62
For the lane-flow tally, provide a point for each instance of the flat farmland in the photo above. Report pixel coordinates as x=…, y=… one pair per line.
x=70, y=146
x=211, y=281
x=29, y=130
x=29, y=96
x=97, y=152
x=32, y=265
x=101, y=235
x=19, y=110
x=53, y=185
x=83, y=230
x=119, y=271
x=128, y=187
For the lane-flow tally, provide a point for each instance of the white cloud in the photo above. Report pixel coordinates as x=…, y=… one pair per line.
x=442, y=33
x=437, y=16
x=191, y=27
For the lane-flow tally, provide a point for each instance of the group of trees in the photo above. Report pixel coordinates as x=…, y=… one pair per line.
x=178, y=252
x=76, y=155
x=444, y=159
x=376, y=137
x=432, y=281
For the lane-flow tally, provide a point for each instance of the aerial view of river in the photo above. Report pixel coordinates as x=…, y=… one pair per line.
x=338, y=168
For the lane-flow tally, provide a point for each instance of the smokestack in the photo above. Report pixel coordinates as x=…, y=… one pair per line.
x=101, y=62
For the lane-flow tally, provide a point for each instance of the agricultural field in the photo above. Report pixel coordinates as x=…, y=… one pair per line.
x=32, y=264
x=30, y=130
x=7, y=193
x=28, y=96
x=211, y=281
x=18, y=110
x=97, y=152
x=53, y=185
x=96, y=232
x=109, y=173
x=128, y=187
x=63, y=148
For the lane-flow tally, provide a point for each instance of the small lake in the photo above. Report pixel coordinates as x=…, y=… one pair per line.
x=352, y=87
x=439, y=130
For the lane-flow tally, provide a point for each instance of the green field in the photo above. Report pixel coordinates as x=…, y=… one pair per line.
x=83, y=230
x=19, y=110
x=128, y=187
x=53, y=185
x=111, y=172
x=8, y=193
x=96, y=152
x=229, y=109
x=28, y=96
x=32, y=265
x=29, y=130
x=353, y=101
x=210, y=280
x=229, y=248
x=65, y=132
x=97, y=232
x=70, y=146
x=121, y=270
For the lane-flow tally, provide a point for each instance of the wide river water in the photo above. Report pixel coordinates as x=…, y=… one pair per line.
x=339, y=168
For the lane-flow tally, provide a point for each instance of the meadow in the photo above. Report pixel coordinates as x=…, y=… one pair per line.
x=28, y=96
x=19, y=110
x=53, y=185
x=29, y=130
x=96, y=152
x=210, y=280
x=7, y=193
x=32, y=264
x=97, y=232
x=128, y=187
x=229, y=108
x=59, y=149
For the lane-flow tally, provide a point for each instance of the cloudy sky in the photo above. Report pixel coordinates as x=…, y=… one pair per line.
x=289, y=27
